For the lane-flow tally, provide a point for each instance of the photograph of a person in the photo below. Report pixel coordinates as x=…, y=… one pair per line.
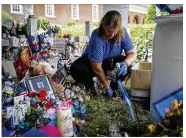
x=40, y=83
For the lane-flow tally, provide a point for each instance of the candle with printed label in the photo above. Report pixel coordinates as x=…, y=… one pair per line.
x=64, y=121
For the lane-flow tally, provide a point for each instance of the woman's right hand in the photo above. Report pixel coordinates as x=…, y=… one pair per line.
x=109, y=91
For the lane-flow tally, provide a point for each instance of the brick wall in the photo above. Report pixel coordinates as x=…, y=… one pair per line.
x=6, y=8
x=139, y=16
x=62, y=13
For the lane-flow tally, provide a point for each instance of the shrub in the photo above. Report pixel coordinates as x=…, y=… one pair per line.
x=57, y=29
x=7, y=19
x=150, y=14
x=44, y=21
x=75, y=30
x=141, y=38
x=141, y=35
x=71, y=23
x=95, y=25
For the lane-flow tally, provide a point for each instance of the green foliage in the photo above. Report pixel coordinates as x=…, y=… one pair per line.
x=19, y=26
x=57, y=29
x=95, y=24
x=75, y=30
x=164, y=13
x=144, y=26
x=41, y=21
x=150, y=14
x=71, y=23
x=6, y=19
x=141, y=35
x=141, y=38
x=100, y=111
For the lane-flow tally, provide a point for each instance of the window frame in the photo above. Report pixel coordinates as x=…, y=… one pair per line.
x=53, y=11
x=15, y=12
x=97, y=12
x=77, y=6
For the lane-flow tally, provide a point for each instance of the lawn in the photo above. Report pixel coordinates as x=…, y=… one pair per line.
x=101, y=111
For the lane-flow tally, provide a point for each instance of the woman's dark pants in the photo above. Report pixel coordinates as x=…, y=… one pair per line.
x=82, y=72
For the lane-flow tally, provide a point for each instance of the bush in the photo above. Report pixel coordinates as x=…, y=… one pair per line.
x=142, y=37
x=95, y=25
x=75, y=30
x=57, y=29
x=19, y=26
x=7, y=19
x=44, y=22
x=71, y=23
x=151, y=13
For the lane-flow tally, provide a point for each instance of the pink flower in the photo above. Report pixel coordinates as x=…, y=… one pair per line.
x=167, y=110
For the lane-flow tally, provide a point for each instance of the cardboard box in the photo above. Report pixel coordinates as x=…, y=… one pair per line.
x=141, y=76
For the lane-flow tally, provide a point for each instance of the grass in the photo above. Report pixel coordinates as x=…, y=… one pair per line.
x=100, y=111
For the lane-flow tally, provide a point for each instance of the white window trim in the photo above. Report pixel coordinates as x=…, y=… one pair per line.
x=14, y=12
x=32, y=13
x=77, y=12
x=53, y=9
x=97, y=10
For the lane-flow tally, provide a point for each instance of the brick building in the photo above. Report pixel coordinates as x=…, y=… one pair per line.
x=62, y=13
x=137, y=13
x=58, y=13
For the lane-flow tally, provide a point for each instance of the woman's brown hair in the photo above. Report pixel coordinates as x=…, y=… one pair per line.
x=112, y=19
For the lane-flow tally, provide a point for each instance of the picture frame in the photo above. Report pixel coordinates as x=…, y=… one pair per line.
x=60, y=77
x=161, y=105
x=41, y=82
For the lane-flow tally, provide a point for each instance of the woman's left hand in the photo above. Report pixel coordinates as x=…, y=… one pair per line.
x=123, y=69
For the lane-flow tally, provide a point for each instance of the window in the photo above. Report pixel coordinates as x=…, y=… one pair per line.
x=75, y=11
x=49, y=10
x=16, y=8
x=95, y=13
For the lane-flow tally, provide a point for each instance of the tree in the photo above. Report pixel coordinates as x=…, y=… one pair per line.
x=150, y=14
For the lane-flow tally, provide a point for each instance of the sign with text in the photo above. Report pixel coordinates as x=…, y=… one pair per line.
x=60, y=44
x=17, y=42
x=5, y=42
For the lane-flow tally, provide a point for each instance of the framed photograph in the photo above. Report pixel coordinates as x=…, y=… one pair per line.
x=60, y=76
x=38, y=83
x=161, y=105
